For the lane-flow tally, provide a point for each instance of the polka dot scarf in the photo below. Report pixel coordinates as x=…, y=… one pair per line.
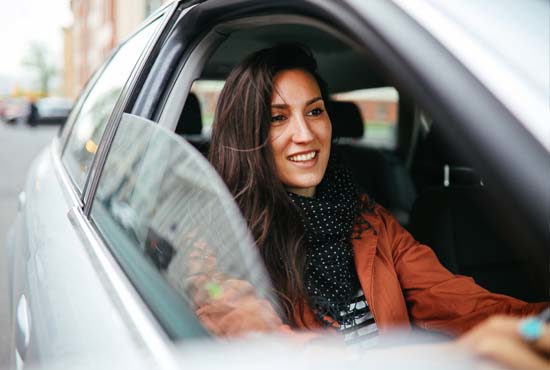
x=330, y=277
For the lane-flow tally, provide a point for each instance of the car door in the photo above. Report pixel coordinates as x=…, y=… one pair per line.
x=62, y=302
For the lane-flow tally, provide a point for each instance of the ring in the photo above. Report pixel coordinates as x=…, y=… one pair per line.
x=531, y=329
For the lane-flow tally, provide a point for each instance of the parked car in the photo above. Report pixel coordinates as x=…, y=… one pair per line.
x=14, y=110
x=54, y=110
x=121, y=212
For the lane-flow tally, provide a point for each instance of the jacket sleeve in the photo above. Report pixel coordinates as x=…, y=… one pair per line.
x=436, y=298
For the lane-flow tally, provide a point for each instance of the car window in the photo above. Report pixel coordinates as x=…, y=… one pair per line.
x=95, y=111
x=173, y=226
x=379, y=112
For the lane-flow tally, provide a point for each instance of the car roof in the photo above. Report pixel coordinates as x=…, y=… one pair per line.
x=340, y=66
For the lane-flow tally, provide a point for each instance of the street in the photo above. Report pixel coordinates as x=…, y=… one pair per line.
x=19, y=144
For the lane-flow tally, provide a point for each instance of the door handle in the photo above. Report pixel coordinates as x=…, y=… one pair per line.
x=22, y=329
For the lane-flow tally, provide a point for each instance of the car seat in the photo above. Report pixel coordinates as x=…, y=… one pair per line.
x=452, y=215
x=190, y=124
x=378, y=173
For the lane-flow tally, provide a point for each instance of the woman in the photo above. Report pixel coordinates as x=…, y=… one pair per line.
x=335, y=258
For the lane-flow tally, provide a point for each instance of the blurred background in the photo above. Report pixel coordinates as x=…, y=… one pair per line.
x=49, y=50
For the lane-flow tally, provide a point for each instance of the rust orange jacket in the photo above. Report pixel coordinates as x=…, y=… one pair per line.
x=403, y=283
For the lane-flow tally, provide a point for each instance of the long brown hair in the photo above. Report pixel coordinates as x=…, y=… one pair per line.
x=241, y=154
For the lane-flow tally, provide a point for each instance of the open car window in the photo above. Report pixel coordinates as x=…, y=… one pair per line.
x=174, y=228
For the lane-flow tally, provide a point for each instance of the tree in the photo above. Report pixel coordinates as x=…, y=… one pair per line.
x=37, y=60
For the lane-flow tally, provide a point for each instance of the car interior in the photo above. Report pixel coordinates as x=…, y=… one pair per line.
x=414, y=171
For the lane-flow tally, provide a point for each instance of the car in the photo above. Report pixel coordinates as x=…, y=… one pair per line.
x=440, y=109
x=14, y=110
x=54, y=110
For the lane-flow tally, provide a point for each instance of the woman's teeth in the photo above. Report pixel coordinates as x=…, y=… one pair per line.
x=303, y=157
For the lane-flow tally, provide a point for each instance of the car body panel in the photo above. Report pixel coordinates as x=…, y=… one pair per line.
x=71, y=310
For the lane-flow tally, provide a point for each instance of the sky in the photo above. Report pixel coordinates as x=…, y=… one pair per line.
x=23, y=22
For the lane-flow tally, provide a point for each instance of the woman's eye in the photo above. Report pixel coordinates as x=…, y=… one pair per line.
x=316, y=112
x=277, y=118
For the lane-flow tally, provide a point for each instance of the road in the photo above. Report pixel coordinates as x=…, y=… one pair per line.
x=19, y=144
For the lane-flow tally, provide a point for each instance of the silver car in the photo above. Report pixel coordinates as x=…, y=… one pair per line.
x=121, y=210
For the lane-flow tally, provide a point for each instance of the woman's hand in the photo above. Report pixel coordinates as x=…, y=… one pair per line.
x=499, y=339
x=235, y=310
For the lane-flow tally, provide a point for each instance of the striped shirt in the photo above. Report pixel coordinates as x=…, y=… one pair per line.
x=357, y=323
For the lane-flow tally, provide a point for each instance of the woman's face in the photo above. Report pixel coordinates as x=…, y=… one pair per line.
x=300, y=131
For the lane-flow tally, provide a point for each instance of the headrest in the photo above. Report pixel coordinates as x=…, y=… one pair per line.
x=346, y=120
x=190, y=122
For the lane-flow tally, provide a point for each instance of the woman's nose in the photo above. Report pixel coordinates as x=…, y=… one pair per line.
x=301, y=131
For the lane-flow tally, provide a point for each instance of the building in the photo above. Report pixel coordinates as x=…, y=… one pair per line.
x=69, y=74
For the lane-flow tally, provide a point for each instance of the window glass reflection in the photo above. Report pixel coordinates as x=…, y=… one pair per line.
x=159, y=201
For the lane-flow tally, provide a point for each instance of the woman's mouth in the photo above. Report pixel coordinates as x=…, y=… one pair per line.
x=303, y=157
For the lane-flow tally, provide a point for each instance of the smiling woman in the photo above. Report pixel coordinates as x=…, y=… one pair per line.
x=257, y=170
x=300, y=131
x=337, y=260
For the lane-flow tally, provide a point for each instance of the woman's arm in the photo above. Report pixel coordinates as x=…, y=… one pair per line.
x=235, y=310
x=436, y=298
x=225, y=305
